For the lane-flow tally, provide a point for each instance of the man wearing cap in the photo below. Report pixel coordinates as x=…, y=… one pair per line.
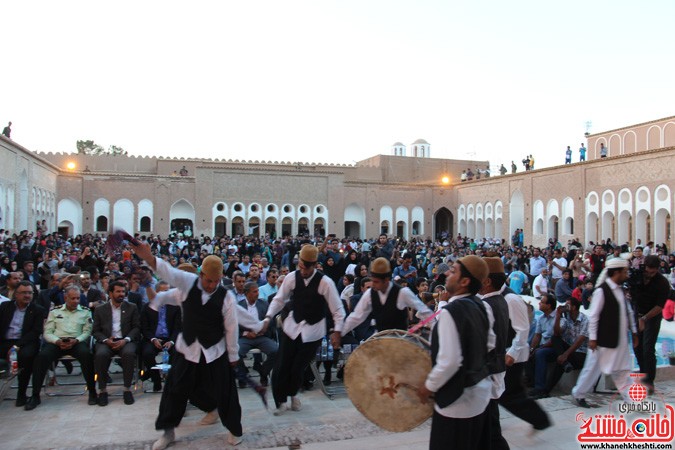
x=387, y=302
x=304, y=326
x=208, y=341
x=459, y=377
x=609, y=320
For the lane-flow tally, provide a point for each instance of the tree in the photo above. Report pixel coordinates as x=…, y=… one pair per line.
x=91, y=148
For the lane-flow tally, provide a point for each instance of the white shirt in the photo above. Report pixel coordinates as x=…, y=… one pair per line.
x=405, y=299
x=116, y=320
x=497, y=379
x=520, y=322
x=232, y=315
x=543, y=286
x=555, y=272
x=308, y=332
x=474, y=399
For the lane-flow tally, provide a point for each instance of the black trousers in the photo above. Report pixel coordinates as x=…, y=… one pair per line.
x=457, y=434
x=207, y=386
x=51, y=352
x=516, y=401
x=493, y=427
x=148, y=355
x=646, y=350
x=104, y=355
x=25, y=357
x=577, y=360
x=293, y=358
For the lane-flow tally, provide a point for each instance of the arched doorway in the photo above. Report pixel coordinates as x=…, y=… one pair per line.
x=237, y=226
x=182, y=216
x=220, y=226
x=443, y=224
x=303, y=226
x=319, y=228
x=271, y=227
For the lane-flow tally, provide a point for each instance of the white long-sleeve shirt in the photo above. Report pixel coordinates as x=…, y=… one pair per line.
x=308, y=332
x=474, y=399
x=232, y=315
x=405, y=299
x=518, y=349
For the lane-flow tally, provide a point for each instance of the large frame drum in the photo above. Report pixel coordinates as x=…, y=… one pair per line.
x=382, y=377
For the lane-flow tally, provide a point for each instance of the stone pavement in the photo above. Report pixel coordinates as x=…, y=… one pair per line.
x=69, y=423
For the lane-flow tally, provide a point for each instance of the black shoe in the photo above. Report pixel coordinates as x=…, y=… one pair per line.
x=242, y=384
x=567, y=367
x=128, y=398
x=341, y=373
x=21, y=400
x=582, y=402
x=93, y=398
x=538, y=393
x=156, y=386
x=69, y=366
x=264, y=381
x=32, y=403
x=327, y=380
x=103, y=399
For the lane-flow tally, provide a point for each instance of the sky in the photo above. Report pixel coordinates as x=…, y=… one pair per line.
x=333, y=81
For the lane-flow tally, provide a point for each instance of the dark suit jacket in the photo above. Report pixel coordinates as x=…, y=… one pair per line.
x=130, y=322
x=33, y=322
x=262, y=306
x=149, y=318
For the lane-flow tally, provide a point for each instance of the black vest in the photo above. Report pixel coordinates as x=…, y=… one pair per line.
x=307, y=304
x=500, y=310
x=473, y=326
x=608, y=324
x=388, y=316
x=203, y=322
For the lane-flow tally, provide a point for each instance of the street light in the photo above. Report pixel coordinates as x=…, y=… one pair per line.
x=70, y=165
x=445, y=179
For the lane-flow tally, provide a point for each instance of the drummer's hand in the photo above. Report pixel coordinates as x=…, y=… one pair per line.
x=335, y=338
x=508, y=360
x=423, y=393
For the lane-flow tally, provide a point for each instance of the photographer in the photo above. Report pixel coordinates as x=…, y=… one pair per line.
x=649, y=292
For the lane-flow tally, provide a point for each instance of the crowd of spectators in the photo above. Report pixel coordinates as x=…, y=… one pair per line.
x=556, y=274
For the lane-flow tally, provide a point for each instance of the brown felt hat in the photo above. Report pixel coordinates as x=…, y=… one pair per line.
x=380, y=268
x=212, y=267
x=309, y=253
x=187, y=267
x=495, y=265
x=476, y=266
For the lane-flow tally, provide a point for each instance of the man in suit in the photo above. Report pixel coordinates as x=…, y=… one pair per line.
x=95, y=298
x=249, y=340
x=21, y=324
x=117, y=329
x=160, y=330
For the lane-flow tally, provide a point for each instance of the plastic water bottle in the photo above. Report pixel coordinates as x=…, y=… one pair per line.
x=13, y=360
x=329, y=354
x=165, y=356
x=324, y=349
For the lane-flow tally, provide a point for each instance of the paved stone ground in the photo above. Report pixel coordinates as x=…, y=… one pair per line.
x=69, y=423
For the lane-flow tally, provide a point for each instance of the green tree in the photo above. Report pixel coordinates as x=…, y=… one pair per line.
x=89, y=147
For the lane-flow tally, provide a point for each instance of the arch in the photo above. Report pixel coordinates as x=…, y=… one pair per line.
x=303, y=225
x=654, y=137
x=182, y=216
x=319, y=227
x=286, y=226
x=625, y=227
x=629, y=142
x=386, y=218
x=553, y=227
x=592, y=227
x=615, y=147
x=480, y=228
x=516, y=211
x=662, y=227
x=462, y=227
x=34, y=198
x=417, y=215
x=643, y=226
x=123, y=215
x=22, y=208
x=402, y=218
x=102, y=208
x=145, y=224
x=443, y=224
x=471, y=229
x=538, y=217
x=499, y=231
x=253, y=228
x=600, y=140
x=354, y=221
x=101, y=224
x=568, y=215
x=237, y=226
x=608, y=225
x=271, y=227
x=70, y=211
x=145, y=211
x=669, y=136
x=220, y=225
x=489, y=228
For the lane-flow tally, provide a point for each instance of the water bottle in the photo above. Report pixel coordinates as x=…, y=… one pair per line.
x=329, y=354
x=13, y=360
x=165, y=356
x=324, y=349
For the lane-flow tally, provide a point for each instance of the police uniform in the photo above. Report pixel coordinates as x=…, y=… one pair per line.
x=62, y=323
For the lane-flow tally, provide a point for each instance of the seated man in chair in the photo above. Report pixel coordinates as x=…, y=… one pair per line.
x=249, y=340
x=160, y=330
x=117, y=329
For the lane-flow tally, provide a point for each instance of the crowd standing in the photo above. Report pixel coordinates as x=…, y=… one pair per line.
x=209, y=300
